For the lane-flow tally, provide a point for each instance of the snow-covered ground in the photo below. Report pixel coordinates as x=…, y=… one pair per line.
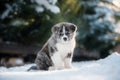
x=103, y=69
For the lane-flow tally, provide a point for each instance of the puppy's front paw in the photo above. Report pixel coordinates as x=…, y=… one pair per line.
x=51, y=68
x=69, y=67
x=55, y=68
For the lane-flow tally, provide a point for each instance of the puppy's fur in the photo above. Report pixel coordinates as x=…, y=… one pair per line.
x=58, y=50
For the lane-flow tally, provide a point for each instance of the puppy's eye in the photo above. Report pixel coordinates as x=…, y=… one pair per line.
x=61, y=34
x=67, y=33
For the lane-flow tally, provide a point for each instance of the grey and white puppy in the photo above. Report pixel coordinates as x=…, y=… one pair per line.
x=58, y=50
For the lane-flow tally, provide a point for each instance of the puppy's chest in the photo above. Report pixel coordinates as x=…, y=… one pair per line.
x=64, y=49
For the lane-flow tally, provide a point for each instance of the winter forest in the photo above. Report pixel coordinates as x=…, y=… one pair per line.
x=25, y=26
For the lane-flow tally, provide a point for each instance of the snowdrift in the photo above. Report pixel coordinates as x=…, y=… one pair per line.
x=103, y=69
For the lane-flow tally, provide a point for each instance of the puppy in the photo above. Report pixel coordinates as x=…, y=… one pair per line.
x=57, y=52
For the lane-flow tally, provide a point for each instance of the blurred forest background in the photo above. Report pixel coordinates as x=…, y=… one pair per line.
x=25, y=25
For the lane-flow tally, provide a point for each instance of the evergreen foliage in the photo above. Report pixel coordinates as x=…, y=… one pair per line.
x=96, y=23
x=21, y=22
x=29, y=22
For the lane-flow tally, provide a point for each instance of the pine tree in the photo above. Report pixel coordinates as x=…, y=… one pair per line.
x=96, y=23
x=25, y=21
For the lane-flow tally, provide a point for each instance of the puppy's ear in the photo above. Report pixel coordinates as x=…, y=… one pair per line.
x=73, y=27
x=54, y=29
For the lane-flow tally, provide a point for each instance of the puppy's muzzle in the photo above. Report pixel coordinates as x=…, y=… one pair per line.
x=65, y=38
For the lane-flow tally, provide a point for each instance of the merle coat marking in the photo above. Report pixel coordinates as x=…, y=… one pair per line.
x=58, y=51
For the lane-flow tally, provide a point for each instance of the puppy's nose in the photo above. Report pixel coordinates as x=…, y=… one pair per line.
x=65, y=38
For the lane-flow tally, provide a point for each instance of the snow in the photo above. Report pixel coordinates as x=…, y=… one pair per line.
x=48, y=4
x=117, y=28
x=117, y=3
x=6, y=12
x=17, y=22
x=103, y=69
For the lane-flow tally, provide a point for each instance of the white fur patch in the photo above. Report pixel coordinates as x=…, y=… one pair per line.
x=59, y=58
x=63, y=30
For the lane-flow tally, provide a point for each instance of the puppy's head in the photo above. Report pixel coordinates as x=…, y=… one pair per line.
x=64, y=31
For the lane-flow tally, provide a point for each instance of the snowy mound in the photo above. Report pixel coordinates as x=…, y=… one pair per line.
x=103, y=69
